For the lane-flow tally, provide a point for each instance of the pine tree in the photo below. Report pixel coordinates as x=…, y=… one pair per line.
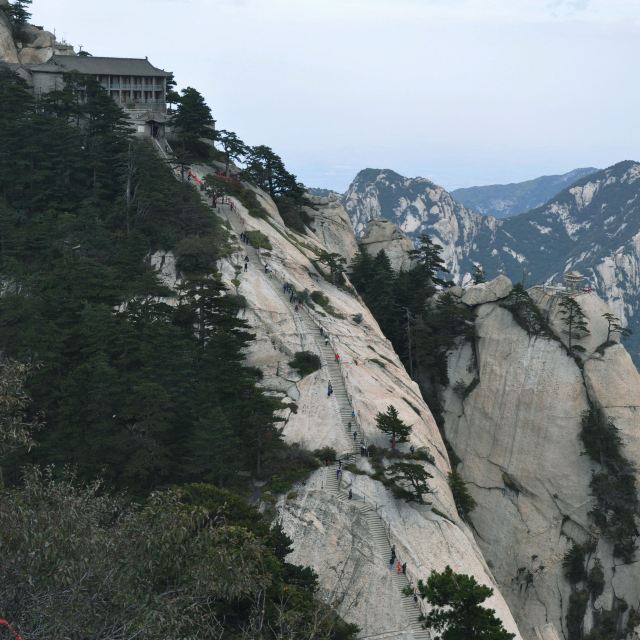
x=265, y=169
x=456, y=612
x=193, y=123
x=614, y=326
x=477, y=275
x=429, y=256
x=391, y=424
x=19, y=14
x=232, y=147
x=574, y=320
x=409, y=481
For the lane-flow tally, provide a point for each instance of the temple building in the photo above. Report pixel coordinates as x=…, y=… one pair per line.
x=134, y=83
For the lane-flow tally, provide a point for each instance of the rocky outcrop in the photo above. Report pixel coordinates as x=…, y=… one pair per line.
x=331, y=226
x=487, y=291
x=379, y=235
x=35, y=45
x=418, y=206
x=329, y=534
x=8, y=51
x=513, y=414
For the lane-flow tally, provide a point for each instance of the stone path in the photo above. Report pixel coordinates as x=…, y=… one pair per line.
x=376, y=524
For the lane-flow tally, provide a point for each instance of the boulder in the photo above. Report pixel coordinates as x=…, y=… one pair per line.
x=491, y=291
x=381, y=234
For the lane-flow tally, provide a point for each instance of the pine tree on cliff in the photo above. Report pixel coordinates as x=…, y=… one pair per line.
x=575, y=322
x=193, y=123
x=391, y=423
x=614, y=326
x=456, y=612
x=429, y=256
x=477, y=275
x=409, y=481
x=18, y=13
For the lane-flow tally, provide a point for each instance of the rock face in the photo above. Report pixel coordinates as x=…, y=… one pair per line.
x=8, y=51
x=513, y=414
x=487, y=291
x=331, y=225
x=381, y=234
x=37, y=45
x=328, y=533
x=592, y=226
x=418, y=206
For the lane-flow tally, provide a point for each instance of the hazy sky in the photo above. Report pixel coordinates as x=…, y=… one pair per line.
x=461, y=91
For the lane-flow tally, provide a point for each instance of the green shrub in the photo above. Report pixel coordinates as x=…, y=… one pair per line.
x=461, y=496
x=595, y=580
x=326, y=453
x=578, y=601
x=305, y=362
x=613, y=486
x=573, y=564
x=292, y=213
x=526, y=313
x=258, y=240
x=322, y=301
x=198, y=255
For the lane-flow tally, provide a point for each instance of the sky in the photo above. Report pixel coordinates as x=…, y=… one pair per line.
x=464, y=92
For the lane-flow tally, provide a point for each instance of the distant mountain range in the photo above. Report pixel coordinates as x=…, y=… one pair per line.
x=506, y=200
x=592, y=226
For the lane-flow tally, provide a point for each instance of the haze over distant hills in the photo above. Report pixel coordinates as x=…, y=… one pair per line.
x=506, y=200
x=593, y=226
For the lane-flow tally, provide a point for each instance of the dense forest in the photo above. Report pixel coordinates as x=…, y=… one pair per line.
x=123, y=403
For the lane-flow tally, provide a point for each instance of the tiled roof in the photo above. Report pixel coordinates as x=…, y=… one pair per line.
x=96, y=66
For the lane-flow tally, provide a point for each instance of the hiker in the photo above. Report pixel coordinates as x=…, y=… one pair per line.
x=350, y=494
x=415, y=596
x=404, y=568
x=412, y=449
x=393, y=555
x=362, y=451
x=246, y=266
x=326, y=341
x=338, y=473
x=266, y=268
x=398, y=567
x=339, y=464
x=355, y=436
x=284, y=288
x=338, y=358
x=296, y=307
x=349, y=426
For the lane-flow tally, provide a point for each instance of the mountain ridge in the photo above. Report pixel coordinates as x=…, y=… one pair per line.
x=507, y=200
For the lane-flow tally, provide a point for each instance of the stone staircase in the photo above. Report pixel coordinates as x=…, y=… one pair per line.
x=379, y=535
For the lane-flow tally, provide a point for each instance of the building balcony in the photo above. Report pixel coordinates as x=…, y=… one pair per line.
x=135, y=87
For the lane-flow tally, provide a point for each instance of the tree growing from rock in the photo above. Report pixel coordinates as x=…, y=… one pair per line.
x=18, y=13
x=336, y=264
x=391, y=423
x=457, y=613
x=232, y=147
x=461, y=496
x=409, y=481
x=614, y=326
x=477, y=274
x=575, y=322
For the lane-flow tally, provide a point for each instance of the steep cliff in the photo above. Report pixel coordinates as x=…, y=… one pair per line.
x=344, y=540
x=514, y=413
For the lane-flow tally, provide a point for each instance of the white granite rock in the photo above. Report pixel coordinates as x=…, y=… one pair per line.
x=381, y=234
x=485, y=292
x=8, y=51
